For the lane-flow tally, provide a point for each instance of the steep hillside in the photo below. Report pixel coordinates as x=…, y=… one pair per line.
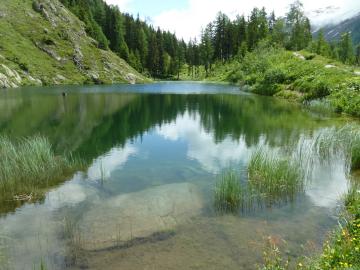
x=333, y=32
x=42, y=43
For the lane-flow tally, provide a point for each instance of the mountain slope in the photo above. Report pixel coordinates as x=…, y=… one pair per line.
x=334, y=32
x=42, y=43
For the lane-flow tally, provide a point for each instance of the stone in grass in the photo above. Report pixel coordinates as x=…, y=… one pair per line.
x=139, y=215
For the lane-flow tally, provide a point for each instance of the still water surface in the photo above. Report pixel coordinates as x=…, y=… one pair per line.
x=143, y=143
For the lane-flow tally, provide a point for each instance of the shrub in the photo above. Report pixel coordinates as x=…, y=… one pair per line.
x=275, y=75
x=267, y=89
x=236, y=76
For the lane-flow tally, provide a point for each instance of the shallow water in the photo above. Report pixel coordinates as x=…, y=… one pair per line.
x=135, y=139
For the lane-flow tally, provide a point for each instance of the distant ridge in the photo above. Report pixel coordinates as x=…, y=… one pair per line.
x=333, y=32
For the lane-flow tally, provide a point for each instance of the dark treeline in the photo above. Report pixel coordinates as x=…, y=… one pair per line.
x=342, y=50
x=148, y=50
x=160, y=54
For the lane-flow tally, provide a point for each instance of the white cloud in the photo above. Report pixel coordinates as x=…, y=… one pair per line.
x=122, y=4
x=201, y=145
x=111, y=161
x=328, y=185
x=187, y=23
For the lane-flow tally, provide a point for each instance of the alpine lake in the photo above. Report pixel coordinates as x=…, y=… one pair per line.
x=152, y=155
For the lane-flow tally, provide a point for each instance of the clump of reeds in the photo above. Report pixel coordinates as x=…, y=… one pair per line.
x=228, y=192
x=274, y=178
x=321, y=106
x=341, y=142
x=28, y=165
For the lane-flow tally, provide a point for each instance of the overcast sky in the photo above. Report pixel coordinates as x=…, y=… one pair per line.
x=187, y=17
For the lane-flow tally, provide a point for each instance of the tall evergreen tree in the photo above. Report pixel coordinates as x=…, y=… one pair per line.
x=357, y=59
x=279, y=32
x=298, y=26
x=346, y=50
x=322, y=47
x=207, y=50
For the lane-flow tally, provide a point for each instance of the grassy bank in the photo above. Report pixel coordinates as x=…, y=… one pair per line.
x=55, y=52
x=299, y=76
x=342, y=251
x=28, y=167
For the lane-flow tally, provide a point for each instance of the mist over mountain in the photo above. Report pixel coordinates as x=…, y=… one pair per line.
x=334, y=30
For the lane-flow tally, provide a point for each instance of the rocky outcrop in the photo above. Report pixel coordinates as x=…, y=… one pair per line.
x=139, y=215
x=53, y=49
x=9, y=78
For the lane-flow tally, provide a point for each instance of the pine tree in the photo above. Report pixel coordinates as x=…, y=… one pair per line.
x=299, y=27
x=206, y=48
x=253, y=26
x=240, y=32
x=263, y=24
x=357, y=59
x=153, y=55
x=346, y=50
x=279, y=32
x=180, y=57
x=142, y=47
x=322, y=47
x=272, y=21
x=161, y=69
x=221, y=44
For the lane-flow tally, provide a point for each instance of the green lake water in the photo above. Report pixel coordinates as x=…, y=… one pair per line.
x=135, y=139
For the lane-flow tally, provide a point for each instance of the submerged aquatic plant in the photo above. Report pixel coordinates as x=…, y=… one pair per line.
x=3, y=258
x=228, y=192
x=275, y=178
x=73, y=237
x=29, y=165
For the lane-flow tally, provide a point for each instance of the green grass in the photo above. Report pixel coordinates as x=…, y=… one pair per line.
x=28, y=166
x=274, y=71
x=320, y=106
x=342, y=250
x=19, y=34
x=228, y=192
x=275, y=178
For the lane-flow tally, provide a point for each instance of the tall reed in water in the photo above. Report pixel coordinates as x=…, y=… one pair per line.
x=339, y=142
x=28, y=165
x=228, y=192
x=274, y=178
